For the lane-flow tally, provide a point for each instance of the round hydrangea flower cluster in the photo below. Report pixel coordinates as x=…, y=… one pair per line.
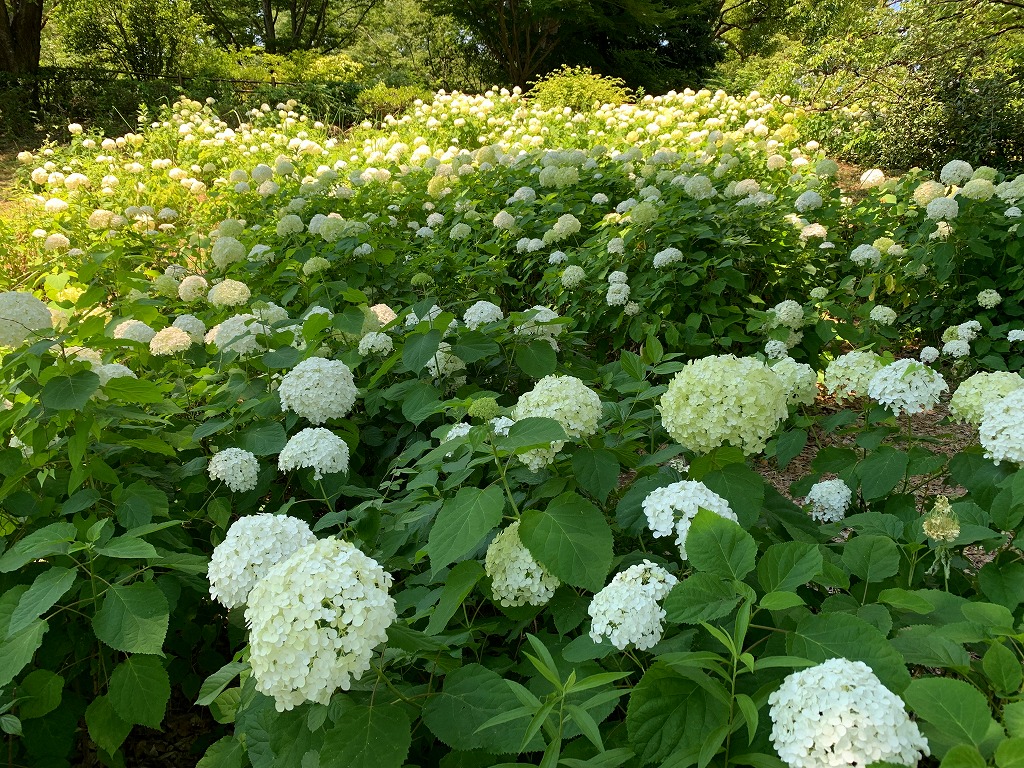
x=134, y=330
x=318, y=389
x=376, y=343
x=192, y=288
x=788, y=314
x=317, y=448
x=666, y=257
x=799, y=380
x=942, y=209
x=227, y=251
x=444, y=363
x=1000, y=432
x=314, y=621
x=572, y=276
x=628, y=611
x=851, y=373
x=541, y=325
x=228, y=293
x=481, y=313
x=236, y=334
x=21, y=314
x=516, y=578
x=928, y=354
x=808, y=201
x=928, y=191
x=672, y=509
x=957, y=348
x=863, y=254
x=907, y=386
x=828, y=500
x=253, y=545
x=883, y=315
x=170, y=341
x=568, y=401
x=989, y=298
x=956, y=172
x=839, y=714
x=976, y=392
x=237, y=468
x=724, y=399
x=776, y=350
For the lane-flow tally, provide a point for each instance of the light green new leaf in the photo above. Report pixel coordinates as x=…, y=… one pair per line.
x=957, y=711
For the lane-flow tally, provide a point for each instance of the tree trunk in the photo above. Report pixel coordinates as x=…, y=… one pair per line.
x=21, y=26
x=269, y=32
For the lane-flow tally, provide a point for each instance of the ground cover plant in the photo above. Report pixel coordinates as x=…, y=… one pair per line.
x=435, y=444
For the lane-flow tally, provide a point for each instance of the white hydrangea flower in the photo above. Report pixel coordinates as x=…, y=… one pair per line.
x=873, y=177
x=819, y=293
x=314, y=621
x=956, y=348
x=989, y=298
x=788, y=314
x=481, y=313
x=724, y=399
x=828, y=500
x=376, y=343
x=226, y=251
x=978, y=189
x=289, y=225
x=851, y=373
x=865, y=253
x=316, y=448
x=627, y=610
x=460, y=231
x=699, y=187
x=228, y=293
x=883, y=315
x=618, y=277
x=237, y=468
x=318, y=389
x=557, y=257
x=907, y=386
x=617, y=295
x=170, y=341
x=21, y=315
x=775, y=349
x=942, y=209
x=928, y=355
x=671, y=509
x=542, y=326
x=516, y=578
x=616, y=246
x=192, y=288
x=135, y=330
x=113, y=371
x=798, y=379
x=568, y=401
x=1000, y=432
x=572, y=276
x=928, y=191
x=808, y=201
x=237, y=334
x=667, y=256
x=1015, y=336
x=956, y=172
x=838, y=714
x=504, y=220
x=976, y=392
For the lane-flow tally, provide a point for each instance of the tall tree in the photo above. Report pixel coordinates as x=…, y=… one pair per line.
x=21, y=27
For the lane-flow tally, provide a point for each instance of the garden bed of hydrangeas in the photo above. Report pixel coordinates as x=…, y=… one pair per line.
x=493, y=435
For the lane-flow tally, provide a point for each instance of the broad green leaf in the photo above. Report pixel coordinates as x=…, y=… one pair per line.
x=905, y=600
x=719, y=546
x=700, y=597
x=1010, y=754
x=375, y=736
x=475, y=345
x=420, y=401
x=39, y=693
x=784, y=567
x=133, y=619
x=536, y=359
x=923, y=645
x=1002, y=667
x=963, y=756
x=957, y=712
x=570, y=538
x=532, y=432
x=226, y=752
x=596, y=471
x=742, y=487
x=48, y=587
x=139, y=690
x=138, y=504
x=218, y=681
x=1013, y=718
x=419, y=348
x=18, y=649
x=266, y=438
x=282, y=357
x=462, y=524
x=780, y=601
x=789, y=446
x=872, y=558
x=129, y=390
x=1003, y=583
x=882, y=471
x=670, y=713
x=52, y=539
x=81, y=500
x=106, y=728
x=69, y=393
x=127, y=548
x=457, y=586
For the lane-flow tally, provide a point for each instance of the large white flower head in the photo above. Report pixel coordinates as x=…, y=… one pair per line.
x=21, y=315
x=1000, y=432
x=799, y=380
x=808, y=201
x=542, y=326
x=253, y=545
x=787, y=313
x=444, y=363
x=671, y=509
x=721, y=400
x=568, y=401
x=170, y=341
x=838, y=714
x=481, y=313
x=237, y=334
x=192, y=288
x=928, y=191
x=226, y=251
x=572, y=276
x=516, y=578
x=134, y=330
x=907, y=386
x=828, y=500
x=667, y=256
x=316, y=448
x=237, y=468
x=989, y=298
x=318, y=389
x=883, y=315
x=976, y=392
x=314, y=621
x=376, y=343
x=942, y=209
x=956, y=172
x=865, y=253
x=229, y=293
x=627, y=611
x=851, y=373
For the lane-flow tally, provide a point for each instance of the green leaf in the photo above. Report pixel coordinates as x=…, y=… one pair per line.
x=1003, y=583
x=820, y=637
x=139, y=690
x=784, y=567
x=1010, y=754
x=129, y=390
x=872, y=558
x=462, y=524
x=138, y=503
x=69, y=393
x=571, y=539
x=596, y=471
x=905, y=600
x=700, y=597
x=457, y=586
x=419, y=348
x=218, y=681
x=957, y=712
x=719, y=546
x=226, y=752
x=471, y=696
x=475, y=345
x=789, y=446
x=106, y=728
x=963, y=756
x=420, y=401
x=52, y=539
x=532, y=432
x=1002, y=667
x=18, y=649
x=47, y=588
x=882, y=471
x=81, y=500
x=536, y=359
x=263, y=439
x=282, y=357
x=670, y=713
x=39, y=693
x=133, y=619
x=1013, y=718
x=128, y=548
x=742, y=487
x=780, y=601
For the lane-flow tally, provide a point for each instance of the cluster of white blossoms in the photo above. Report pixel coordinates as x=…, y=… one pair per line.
x=627, y=611
x=568, y=401
x=318, y=389
x=572, y=276
x=721, y=400
x=851, y=373
x=618, y=289
x=253, y=545
x=134, y=330
x=314, y=621
x=376, y=343
x=883, y=315
x=671, y=509
x=1000, y=430
x=667, y=256
x=542, y=325
x=316, y=448
x=237, y=468
x=828, y=500
x=516, y=578
x=481, y=313
x=864, y=254
x=928, y=354
x=956, y=172
x=170, y=341
x=445, y=363
x=976, y=392
x=808, y=201
x=942, y=209
x=192, y=288
x=907, y=386
x=228, y=293
x=504, y=220
x=237, y=334
x=799, y=379
x=227, y=251
x=989, y=298
x=21, y=315
x=838, y=714
x=788, y=314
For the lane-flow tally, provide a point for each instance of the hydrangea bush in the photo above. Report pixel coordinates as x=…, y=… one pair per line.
x=447, y=442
